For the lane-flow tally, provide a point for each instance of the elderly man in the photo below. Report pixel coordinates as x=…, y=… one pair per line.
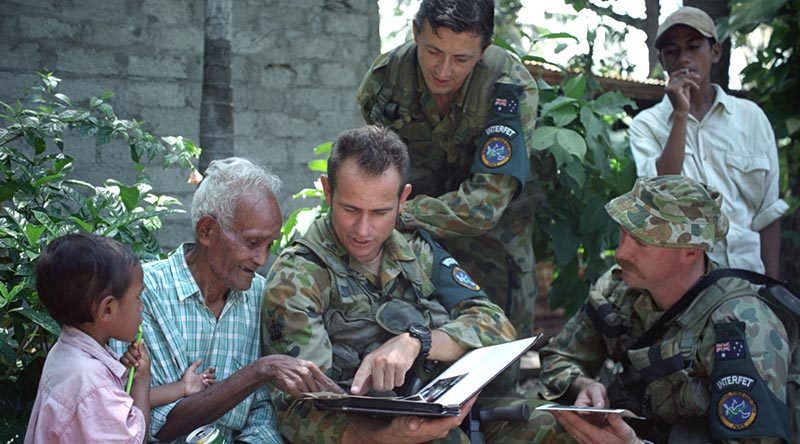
x=700, y=131
x=367, y=303
x=704, y=361
x=467, y=110
x=203, y=303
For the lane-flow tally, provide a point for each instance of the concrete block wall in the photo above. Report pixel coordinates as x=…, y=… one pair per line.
x=296, y=66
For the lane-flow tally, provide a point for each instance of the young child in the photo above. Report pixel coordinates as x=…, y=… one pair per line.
x=91, y=285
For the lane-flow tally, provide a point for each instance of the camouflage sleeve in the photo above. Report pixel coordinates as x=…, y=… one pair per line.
x=476, y=322
x=578, y=350
x=295, y=296
x=767, y=341
x=476, y=206
x=367, y=92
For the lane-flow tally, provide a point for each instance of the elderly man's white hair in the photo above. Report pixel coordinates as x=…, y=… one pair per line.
x=225, y=182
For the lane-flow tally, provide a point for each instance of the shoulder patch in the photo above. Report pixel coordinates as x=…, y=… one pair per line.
x=726, y=350
x=448, y=262
x=463, y=279
x=506, y=105
x=496, y=151
x=736, y=410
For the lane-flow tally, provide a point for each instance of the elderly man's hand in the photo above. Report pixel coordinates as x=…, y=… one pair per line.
x=296, y=376
x=616, y=431
x=385, y=368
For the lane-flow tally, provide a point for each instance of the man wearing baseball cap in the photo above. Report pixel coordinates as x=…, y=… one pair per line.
x=702, y=361
x=700, y=131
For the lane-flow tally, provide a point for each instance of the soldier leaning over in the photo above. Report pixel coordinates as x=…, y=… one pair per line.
x=366, y=303
x=467, y=110
x=715, y=372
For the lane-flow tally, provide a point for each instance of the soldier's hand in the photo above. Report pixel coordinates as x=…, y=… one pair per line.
x=415, y=429
x=591, y=393
x=385, y=368
x=682, y=83
x=614, y=431
x=296, y=376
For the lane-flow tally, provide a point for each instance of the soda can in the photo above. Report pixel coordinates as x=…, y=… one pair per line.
x=208, y=434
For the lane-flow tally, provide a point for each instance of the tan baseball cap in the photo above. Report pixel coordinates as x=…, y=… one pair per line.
x=689, y=16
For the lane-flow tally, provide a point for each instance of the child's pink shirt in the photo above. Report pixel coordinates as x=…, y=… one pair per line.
x=81, y=396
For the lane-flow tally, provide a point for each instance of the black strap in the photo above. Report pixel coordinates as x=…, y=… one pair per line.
x=659, y=328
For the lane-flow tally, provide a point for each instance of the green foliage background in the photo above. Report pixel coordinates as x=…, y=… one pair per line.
x=40, y=200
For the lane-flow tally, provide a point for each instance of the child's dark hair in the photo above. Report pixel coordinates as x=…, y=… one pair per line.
x=76, y=271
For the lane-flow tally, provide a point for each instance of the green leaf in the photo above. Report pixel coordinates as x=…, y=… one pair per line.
x=81, y=223
x=41, y=318
x=319, y=165
x=559, y=102
x=129, y=197
x=324, y=148
x=37, y=143
x=572, y=142
x=565, y=242
x=563, y=117
x=33, y=233
x=544, y=137
x=63, y=98
x=576, y=172
x=575, y=86
x=611, y=103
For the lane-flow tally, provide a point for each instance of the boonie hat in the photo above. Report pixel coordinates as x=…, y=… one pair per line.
x=689, y=16
x=672, y=212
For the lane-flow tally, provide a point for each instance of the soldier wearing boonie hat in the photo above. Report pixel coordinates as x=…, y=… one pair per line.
x=703, y=360
x=671, y=211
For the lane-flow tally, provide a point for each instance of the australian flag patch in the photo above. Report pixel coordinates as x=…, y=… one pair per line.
x=504, y=105
x=726, y=350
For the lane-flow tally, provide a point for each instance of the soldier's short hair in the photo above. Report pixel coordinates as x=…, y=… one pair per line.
x=375, y=150
x=226, y=181
x=76, y=271
x=671, y=211
x=472, y=16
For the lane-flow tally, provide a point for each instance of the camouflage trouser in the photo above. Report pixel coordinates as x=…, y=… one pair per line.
x=489, y=264
x=541, y=428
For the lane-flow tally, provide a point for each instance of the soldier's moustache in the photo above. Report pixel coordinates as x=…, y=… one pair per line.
x=628, y=266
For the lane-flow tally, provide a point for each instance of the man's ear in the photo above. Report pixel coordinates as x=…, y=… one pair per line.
x=106, y=309
x=716, y=52
x=404, y=194
x=326, y=188
x=206, y=229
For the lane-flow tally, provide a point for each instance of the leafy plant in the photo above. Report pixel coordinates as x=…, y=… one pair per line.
x=592, y=167
x=40, y=200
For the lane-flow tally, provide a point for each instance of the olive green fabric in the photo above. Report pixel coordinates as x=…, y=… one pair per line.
x=483, y=218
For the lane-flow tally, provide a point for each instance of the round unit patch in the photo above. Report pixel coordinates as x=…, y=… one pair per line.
x=462, y=278
x=737, y=410
x=496, y=152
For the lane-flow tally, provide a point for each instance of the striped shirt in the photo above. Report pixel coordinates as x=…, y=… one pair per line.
x=179, y=329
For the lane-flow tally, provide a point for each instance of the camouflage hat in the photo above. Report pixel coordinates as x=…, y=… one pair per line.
x=672, y=212
x=689, y=16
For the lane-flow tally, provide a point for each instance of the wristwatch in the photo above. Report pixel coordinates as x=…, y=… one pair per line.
x=424, y=335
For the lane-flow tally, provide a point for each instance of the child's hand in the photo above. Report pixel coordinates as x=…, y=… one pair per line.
x=137, y=357
x=194, y=382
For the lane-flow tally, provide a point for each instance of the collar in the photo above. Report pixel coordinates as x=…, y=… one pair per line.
x=76, y=338
x=186, y=286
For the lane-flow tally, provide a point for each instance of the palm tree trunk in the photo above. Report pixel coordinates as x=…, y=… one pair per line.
x=216, y=103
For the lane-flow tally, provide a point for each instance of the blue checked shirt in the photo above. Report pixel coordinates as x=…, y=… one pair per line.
x=179, y=329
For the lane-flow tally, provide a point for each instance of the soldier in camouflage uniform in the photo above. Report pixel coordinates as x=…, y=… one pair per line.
x=717, y=371
x=466, y=109
x=350, y=294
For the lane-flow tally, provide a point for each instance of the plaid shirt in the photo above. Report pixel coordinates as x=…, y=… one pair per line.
x=179, y=328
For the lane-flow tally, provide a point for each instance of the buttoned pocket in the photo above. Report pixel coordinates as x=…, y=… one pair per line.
x=748, y=174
